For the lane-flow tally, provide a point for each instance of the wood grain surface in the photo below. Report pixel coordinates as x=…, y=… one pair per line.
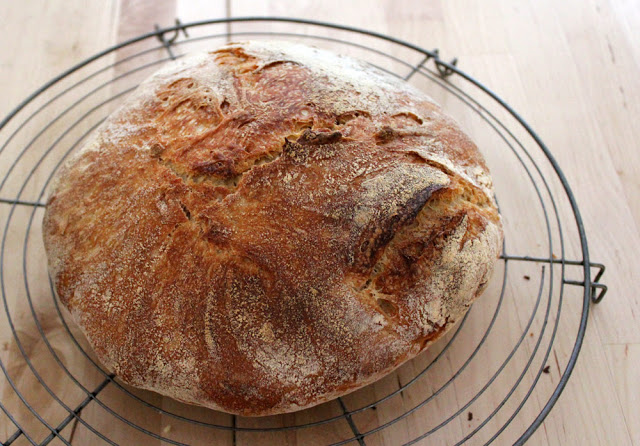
x=572, y=69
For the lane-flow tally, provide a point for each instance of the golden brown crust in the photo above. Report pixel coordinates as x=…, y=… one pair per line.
x=269, y=226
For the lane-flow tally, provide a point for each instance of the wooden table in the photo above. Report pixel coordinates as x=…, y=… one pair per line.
x=572, y=69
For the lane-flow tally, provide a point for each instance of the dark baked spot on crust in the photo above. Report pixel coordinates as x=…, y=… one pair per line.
x=380, y=232
x=186, y=211
x=386, y=134
x=218, y=233
x=387, y=307
x=406, y=119
x=275, y=63
x=295, y=151
x=319, y=137
x=217, y=167
x=411, y=254
x=156, y=150
x=421, y=240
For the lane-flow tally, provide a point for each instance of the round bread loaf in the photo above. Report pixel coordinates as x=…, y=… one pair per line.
x=268, y=226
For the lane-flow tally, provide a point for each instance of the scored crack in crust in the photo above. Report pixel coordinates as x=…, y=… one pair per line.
x=268, y=226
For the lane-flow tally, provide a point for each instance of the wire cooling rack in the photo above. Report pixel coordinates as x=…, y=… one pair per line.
x=493, y=379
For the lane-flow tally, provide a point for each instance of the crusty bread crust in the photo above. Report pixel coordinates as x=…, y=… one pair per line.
x=268, y=226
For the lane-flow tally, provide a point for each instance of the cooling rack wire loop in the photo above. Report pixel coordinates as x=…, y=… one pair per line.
x=546, y=301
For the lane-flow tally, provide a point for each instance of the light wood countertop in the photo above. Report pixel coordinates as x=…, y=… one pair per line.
x=571, y=69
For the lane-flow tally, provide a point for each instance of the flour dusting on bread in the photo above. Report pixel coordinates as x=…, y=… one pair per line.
x=268, y=226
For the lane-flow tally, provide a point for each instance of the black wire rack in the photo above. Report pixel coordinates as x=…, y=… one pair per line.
x=488, y=381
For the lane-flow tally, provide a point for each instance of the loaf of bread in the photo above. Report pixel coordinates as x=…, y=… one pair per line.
x=268, y=226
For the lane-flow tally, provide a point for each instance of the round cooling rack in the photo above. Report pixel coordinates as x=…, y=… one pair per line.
x=493, y=379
